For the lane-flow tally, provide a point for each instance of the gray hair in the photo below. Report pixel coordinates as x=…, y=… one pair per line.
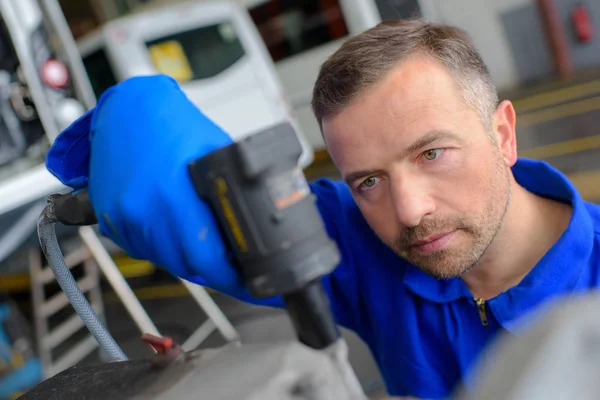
x=366, y=58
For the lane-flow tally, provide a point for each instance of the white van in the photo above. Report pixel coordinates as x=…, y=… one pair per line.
x=214, y=51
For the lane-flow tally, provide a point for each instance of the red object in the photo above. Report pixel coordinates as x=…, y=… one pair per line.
x=556, y=37
x=582, y=22
x=161, y=345
x=54, y=74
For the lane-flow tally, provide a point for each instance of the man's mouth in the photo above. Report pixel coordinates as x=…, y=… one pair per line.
x=433, y=242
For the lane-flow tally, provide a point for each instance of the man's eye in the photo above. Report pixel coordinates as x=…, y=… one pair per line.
x=432, y=154
x=370, y=182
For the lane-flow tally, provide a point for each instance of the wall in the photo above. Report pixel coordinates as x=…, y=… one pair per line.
x=528, y=39
x=583, y=55
x=482, y=20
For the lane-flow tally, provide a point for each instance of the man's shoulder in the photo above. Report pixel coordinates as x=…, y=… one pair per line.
x=587, y=248
x=593, y=213
x=330, y=188
x=335, y=200
x=593, y=210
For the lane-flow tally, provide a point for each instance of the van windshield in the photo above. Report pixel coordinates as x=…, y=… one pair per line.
x=200, y=53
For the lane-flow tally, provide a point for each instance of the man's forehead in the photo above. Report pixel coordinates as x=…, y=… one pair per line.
x=419, y=79
x=417, y=98
x=412, y=97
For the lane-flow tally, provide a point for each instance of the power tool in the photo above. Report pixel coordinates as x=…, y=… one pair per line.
x=268, y=216
x=268, y=220
x=278, y=244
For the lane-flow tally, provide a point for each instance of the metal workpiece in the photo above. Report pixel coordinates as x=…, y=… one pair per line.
x=554, y=356
x=280, y=371
x=338, y=352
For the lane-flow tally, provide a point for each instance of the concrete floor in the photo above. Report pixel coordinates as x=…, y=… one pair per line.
x=559, y=125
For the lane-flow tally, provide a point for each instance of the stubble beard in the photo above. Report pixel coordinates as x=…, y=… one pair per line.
x=479, y=232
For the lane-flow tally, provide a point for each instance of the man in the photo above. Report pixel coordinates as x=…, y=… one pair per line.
x=446, y=237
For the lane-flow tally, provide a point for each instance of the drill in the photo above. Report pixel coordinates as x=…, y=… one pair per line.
x=268, y=218
x=271, y=227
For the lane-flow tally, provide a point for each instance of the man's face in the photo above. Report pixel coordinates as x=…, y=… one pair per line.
x=422, y=168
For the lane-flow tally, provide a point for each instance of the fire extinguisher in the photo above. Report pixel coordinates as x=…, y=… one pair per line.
x=582, y=23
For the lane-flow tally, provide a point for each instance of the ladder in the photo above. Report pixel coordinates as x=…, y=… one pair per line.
x=95, y=258
x=44, y=307
x=216, y=317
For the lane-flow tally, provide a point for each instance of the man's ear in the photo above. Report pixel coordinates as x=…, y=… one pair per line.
x=504, y=129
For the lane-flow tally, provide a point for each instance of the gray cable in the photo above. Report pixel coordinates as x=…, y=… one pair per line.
x=53, y=253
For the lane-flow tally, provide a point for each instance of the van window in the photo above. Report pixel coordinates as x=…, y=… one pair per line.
x=197, y=54
x=294, y=26
x=99, y=71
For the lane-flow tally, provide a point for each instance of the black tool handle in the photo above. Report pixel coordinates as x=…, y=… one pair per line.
x=311, y=316
x=73, y=209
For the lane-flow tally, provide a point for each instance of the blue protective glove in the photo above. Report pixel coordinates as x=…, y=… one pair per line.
x=131, y=152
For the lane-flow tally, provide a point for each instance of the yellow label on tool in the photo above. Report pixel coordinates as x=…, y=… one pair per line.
x=229, y=214
x=169, y=58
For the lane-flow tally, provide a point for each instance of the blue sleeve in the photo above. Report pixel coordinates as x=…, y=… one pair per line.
x=337, y=209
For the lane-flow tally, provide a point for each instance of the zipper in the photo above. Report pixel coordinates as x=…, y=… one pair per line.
x=481, y=309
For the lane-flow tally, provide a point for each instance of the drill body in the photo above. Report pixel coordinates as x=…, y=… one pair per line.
x=271, y=224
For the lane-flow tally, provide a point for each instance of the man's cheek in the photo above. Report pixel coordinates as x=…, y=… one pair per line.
x=382, y=221
x=461, y=187
x=453, y=167
x=470, y=172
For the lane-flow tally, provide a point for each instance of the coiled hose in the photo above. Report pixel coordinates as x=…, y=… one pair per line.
x=56, y=261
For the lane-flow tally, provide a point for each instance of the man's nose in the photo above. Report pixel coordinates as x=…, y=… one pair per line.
x=411, y=201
